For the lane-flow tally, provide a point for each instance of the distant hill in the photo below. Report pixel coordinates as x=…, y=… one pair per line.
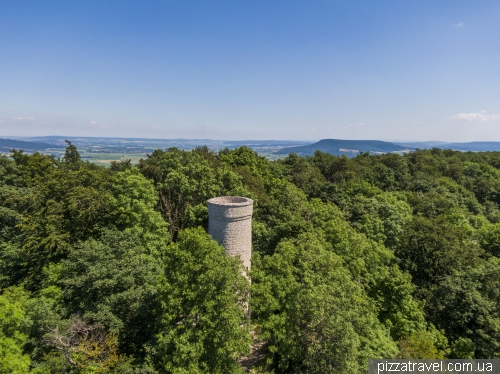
x=7, y=144
x=470, y=146
x=349, y=148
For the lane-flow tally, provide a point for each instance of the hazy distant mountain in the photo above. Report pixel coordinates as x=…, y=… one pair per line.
x=7, y=144
x=349, y=148
x=470, y=146
x=339, y=147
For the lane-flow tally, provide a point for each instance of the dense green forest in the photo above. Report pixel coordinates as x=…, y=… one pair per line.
x=111, y=270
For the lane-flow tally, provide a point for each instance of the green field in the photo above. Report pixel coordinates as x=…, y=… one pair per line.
x=106, y=158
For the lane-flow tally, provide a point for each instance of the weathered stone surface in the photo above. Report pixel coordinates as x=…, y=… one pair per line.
x=230, y=224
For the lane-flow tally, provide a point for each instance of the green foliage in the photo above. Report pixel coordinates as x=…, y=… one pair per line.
x=314, y=317
x=421, y=345
x=113, y=283
x=434, y=248
x=490, y=238
x=71, y=158
x=134, y=202
x=13, y=327
x=121, y=165
x=204, y=298
x=381, y=216
x=466, y=304
x=185, y=181
x=373, y=256
x=463, y=348
x=61, y=210
x=397, y=309
x=303, y=174
x=244, y=156
x=11, y=192
x=75, y=205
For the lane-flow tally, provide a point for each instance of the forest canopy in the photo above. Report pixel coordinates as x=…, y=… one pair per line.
x=111, y=270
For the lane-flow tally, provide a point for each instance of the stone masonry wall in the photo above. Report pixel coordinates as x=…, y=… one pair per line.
x=230, y=224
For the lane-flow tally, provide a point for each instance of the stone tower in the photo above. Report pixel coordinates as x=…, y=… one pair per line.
x=230, y=224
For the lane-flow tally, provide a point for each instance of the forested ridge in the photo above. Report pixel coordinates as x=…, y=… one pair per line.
x=111, y=270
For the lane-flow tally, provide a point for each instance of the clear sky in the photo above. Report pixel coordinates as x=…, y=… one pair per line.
x=389, y=70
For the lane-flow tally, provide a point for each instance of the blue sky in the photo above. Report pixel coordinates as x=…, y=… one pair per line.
x=390, y=70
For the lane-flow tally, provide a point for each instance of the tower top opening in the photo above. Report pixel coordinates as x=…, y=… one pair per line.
x=234, y=201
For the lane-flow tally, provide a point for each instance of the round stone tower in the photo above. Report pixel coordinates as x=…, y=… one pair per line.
x=230, y=224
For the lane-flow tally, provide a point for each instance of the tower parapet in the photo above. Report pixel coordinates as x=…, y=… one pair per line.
x=230, y=224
